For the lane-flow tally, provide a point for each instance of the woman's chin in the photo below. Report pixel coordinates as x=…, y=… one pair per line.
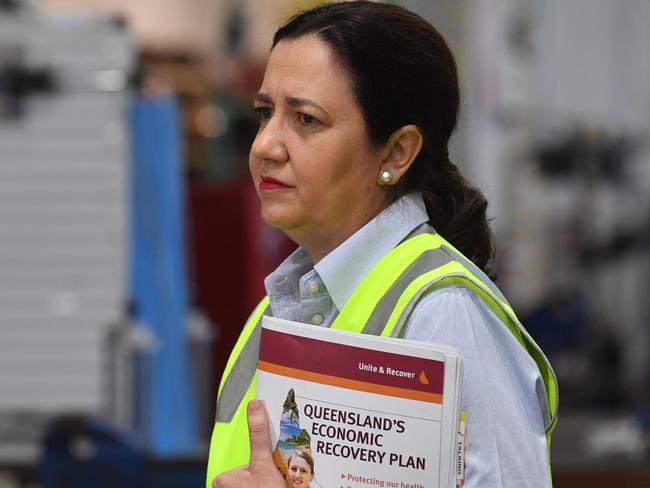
x=277, y=218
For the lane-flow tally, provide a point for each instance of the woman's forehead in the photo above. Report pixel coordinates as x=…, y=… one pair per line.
x=305, y=67
x=304, y=52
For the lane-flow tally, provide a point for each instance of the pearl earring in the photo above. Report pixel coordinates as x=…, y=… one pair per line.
x=385, y=177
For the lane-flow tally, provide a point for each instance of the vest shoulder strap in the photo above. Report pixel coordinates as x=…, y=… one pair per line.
x=376, y=295
x=383, y=302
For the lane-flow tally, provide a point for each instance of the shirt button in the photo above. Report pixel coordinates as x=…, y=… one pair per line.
x=312, y=287
x=317, y=319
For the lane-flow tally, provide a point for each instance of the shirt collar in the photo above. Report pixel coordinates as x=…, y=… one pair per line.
x=284, y=280
x=343, y=269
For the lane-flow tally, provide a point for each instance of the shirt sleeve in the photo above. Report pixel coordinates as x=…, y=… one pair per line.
x=506, y=443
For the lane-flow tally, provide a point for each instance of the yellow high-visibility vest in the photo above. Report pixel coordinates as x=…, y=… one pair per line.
x=380, y=305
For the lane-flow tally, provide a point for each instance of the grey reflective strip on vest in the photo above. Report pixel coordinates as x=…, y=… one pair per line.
x=476, y=271
x=549, y=421
x=241, y=375
x=427, y=261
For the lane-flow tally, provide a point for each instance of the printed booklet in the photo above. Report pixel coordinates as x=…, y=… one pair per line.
x=350, y=410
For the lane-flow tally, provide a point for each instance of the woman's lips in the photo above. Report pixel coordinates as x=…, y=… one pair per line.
x=269, y=184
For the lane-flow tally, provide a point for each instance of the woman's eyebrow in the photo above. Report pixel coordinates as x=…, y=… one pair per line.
x=263, y=98
x=301, y=102
x=291, y=101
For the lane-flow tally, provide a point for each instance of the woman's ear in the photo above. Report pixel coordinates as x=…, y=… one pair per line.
x=402, y=148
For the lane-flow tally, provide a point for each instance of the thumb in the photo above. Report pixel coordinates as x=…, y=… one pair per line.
x=258, y=433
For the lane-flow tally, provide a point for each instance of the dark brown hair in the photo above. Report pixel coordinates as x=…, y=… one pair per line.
x=404, y=73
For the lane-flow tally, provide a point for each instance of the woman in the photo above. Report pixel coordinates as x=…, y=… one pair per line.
x=301, y=469
x=357, y=106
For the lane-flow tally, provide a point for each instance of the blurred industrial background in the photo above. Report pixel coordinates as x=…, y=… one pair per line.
x=131, y=250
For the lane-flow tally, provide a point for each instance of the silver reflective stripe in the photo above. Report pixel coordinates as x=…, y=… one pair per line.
x=425, y=262
x=333, y=317
x=476, y=271
x=241, y=375
x=542, y=399
x=399, y=325
x=550, y=418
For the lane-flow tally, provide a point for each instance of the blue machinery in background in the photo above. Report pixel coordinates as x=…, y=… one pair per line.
x=165, y=407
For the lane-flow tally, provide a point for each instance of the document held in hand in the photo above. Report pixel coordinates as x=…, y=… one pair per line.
x=350, y=410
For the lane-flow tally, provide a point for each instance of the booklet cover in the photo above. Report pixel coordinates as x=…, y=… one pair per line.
x=354, y=411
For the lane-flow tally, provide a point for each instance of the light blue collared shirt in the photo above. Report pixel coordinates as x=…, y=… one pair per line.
x=506, y=445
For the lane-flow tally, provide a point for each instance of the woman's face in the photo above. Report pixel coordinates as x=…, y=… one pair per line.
x=299, y=472
x=312, y=166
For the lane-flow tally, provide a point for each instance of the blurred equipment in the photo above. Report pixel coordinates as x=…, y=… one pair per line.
x=9, y=5
x=599, y=232
x=88, y=452
x=81, y=452
x=17, y=83
x=62, y=214
x=164, y=396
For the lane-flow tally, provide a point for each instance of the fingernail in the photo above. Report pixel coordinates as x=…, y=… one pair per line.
x=254, y=405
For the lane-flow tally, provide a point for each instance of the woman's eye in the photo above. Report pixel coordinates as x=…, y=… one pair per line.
x=264, y=113
x=307, y=119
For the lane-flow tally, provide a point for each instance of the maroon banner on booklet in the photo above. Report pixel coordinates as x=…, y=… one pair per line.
x=351, y=367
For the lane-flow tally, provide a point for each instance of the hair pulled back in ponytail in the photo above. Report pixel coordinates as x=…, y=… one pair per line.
x=404, y=73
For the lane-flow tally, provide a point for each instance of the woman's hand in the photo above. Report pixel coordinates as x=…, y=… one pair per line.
x=261, y=471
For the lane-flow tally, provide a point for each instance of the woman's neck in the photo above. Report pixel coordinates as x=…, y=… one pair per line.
x=319, y=241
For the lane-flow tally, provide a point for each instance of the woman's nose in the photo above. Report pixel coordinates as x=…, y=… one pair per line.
x=269, y=143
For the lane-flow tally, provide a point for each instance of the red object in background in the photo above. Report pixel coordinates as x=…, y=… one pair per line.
x=231, y=251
